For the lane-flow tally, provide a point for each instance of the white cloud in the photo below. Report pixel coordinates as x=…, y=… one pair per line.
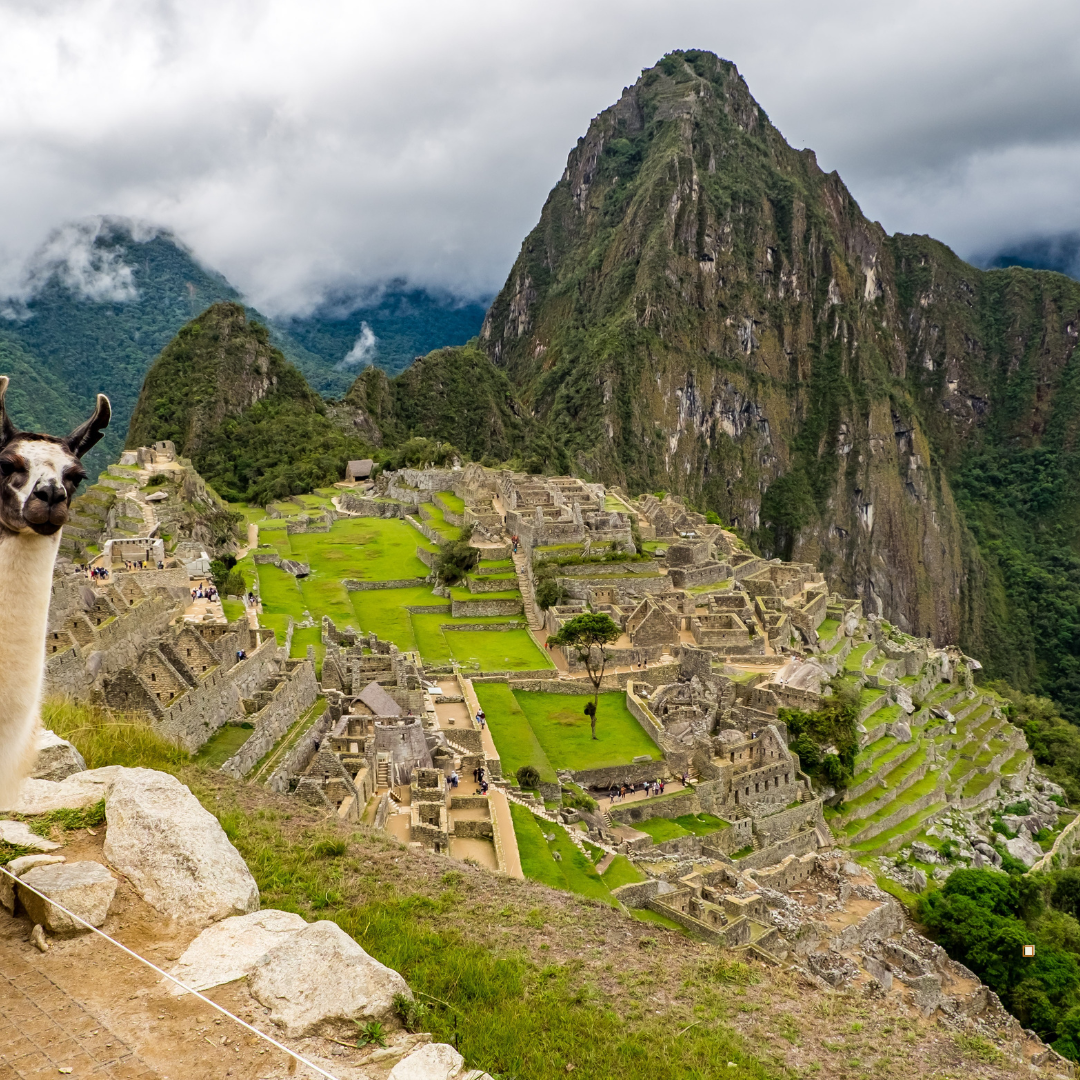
x=337, y=143
x=363, y=350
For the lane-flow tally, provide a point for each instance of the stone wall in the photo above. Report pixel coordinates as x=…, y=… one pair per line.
x=398, y=583
x=666, y=806
x=297, y=759
x=635, y=772
x=359, y=506
x=779, y=826
x=791, y=871
x=467, y=608
x=800, y=844
x=482, y=627
x=474, y=830
x=196, y=715
x=290, y=700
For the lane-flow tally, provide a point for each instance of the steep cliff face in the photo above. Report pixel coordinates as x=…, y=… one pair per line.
x=702, y=309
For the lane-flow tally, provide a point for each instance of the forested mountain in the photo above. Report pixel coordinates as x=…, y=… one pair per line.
x=99, y=330
x=702, y=309
x=107, y=296
x=401, y=324
x=231, y=402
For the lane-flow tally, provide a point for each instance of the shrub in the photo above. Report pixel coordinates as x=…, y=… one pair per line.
x=455, y=560
x=549, y=593
x=528, y=776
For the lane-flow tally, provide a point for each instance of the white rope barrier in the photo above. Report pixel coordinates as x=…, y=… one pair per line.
x=171, y=978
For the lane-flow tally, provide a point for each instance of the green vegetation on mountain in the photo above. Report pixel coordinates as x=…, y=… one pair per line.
x=701, y=309
x=984, y=918
x=451, y=396
x=407, y=323
x=245, y=416
x=66, y=346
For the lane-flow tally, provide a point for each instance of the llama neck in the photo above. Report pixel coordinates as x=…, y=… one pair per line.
x=26, y=568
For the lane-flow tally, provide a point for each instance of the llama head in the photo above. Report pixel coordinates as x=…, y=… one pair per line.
x=39, y=473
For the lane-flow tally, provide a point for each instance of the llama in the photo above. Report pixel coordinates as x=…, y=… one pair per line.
x=38, y=477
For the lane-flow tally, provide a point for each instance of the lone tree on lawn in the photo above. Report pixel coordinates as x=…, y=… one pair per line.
x=586, y=633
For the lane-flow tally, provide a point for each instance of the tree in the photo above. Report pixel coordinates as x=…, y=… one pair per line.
x=587, y=635
x=455, y=560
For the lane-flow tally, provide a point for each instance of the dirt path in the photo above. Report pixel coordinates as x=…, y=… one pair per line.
x=501, y=808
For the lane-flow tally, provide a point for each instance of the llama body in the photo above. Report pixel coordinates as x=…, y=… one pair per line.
x=26, y=566
x=38, y=476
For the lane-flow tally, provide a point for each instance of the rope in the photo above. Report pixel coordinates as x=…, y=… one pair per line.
x=171, y=978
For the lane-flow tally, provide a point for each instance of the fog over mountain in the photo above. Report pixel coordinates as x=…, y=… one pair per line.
x=306, y=150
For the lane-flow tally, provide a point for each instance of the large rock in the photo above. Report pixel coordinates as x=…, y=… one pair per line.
x=1025, y=850
x=321, y=977
x=229, y=949
x=57, y=758
x=75, y=792
x=18, y=867
x=20, y=834
x=85, y=888
x=432, y=1061
x=173, y=851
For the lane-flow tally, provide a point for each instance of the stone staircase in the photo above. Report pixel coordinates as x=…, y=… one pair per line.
x=546, y=815
x=532, y=616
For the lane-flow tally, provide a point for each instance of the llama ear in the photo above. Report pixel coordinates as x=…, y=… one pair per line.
x=7, y=428
x=86, y=435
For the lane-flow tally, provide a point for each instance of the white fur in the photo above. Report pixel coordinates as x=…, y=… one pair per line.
x=45, y=461
x=26, y=567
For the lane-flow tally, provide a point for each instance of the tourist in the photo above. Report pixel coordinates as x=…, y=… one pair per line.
x=475, y=776
x=685, y=778
x=483, y=787
x=480, y=774
x=454, y=778
x=661, y=787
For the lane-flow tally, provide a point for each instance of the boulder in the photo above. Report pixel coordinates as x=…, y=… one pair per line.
x=432, y=1061
x=900, y=731
x=1026, y=851
x=924, y=852
x=19, y=834
x=84, y=888
x=56, y=758
x=173, y=851
x=75, y=792
x=229, y=949
x=918, y=881
x=320, y=977
x=18, y=867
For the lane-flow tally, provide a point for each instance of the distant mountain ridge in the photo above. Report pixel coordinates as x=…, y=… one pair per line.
x=109, y=295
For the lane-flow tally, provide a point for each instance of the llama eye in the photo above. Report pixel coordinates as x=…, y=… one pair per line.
x=7, y=467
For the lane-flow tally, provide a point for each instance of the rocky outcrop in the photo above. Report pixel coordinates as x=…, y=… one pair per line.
x=432, y=1061
x=57, y=758
x=18, y=867
x=86, y=889
x=321, y=977
x=173, y=851
x=229, y=949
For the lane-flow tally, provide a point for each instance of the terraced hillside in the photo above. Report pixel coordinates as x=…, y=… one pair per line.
x=372, y=574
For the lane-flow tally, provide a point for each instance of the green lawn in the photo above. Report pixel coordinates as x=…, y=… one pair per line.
x=432, y=516
x=661, y=829
x=234, y=609
x=513, y=735
x=562, y=729
x=451, y=501
x=828, y=628
x=368, y=549
x=222, y=745
x=464, y=594
x=621, y=872
x=502, y=650
x=574, y=873
x=854, y=659
x=382, y=611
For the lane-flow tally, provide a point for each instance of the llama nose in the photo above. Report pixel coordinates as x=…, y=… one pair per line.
x=50, y=493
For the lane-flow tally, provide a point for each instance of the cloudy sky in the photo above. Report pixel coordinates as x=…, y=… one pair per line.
x=300, y=147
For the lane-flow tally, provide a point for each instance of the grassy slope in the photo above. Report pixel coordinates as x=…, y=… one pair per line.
x=514, y=738
x=528, y=979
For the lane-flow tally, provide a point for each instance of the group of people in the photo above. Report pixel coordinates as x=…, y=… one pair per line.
x=514, y=541
x=649, y=787
x=241, y=654
x=482, y=784
x=204, y=592
x=481, y=717
x=142, y=564
x=98, y=573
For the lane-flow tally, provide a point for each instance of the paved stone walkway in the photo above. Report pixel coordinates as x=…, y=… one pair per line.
x=44, y=1030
